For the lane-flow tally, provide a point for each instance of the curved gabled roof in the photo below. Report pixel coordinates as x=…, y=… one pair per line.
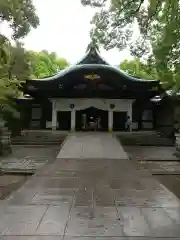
x=93, y=63
x=95, y=68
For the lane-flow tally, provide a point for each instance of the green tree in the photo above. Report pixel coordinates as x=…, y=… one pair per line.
x=21, y=17
x=138, y=69
x=13, y=72
x=45, y=64
x=116, y=25
x=19, y=65
x=62, y=63
x=7, y=94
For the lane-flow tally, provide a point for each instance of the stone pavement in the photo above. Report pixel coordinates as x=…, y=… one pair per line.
x=27, y=159
x=162, y=168
x=152, y=153
x=97, y=198
x=160, y=160
x=92, y=145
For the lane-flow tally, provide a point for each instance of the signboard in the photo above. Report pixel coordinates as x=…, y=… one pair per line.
x=92, y=76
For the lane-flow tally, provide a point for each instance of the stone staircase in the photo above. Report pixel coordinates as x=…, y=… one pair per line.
x=39, y=138
x=144, y=138
x=148, y=138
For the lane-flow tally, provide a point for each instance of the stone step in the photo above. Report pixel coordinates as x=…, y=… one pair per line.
x=33, y=138
x=35, y=143
x=36, y=139
x=151, y=140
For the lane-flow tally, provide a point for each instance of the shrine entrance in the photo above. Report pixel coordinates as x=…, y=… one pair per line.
x=91, y=119
x=64, y=120
x=119, y=120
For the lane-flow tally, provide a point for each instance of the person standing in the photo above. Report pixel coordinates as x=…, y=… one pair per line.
x=128, y=124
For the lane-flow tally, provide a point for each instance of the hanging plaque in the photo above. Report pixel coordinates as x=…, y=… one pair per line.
x=92, y=76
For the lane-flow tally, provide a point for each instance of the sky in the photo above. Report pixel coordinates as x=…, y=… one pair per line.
x=64, y=29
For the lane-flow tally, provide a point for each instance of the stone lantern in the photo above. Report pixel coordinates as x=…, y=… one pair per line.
x=5, y=138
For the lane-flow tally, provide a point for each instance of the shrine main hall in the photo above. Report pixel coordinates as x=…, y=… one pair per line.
x=92, y=92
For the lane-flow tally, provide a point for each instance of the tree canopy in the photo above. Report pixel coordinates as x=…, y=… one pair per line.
x=117, y=23
x=20, y=15
x=14, y=67
x=13, y=72
x=138, y=69
x=44, y=64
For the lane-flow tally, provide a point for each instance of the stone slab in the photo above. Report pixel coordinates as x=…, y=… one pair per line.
x=84, y=221
x=27, y=159
x=54, y=221
x=112, y=238
x=92, y=145
x=34, y=238
x=21, y=220
x=96, y=198
x=142, y=153
x=162, y=167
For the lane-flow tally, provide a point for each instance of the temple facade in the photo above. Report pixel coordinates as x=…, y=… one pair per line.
x=91, y=94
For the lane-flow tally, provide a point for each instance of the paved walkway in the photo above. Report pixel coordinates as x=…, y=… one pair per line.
x=77, y=199
x=92, y=145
